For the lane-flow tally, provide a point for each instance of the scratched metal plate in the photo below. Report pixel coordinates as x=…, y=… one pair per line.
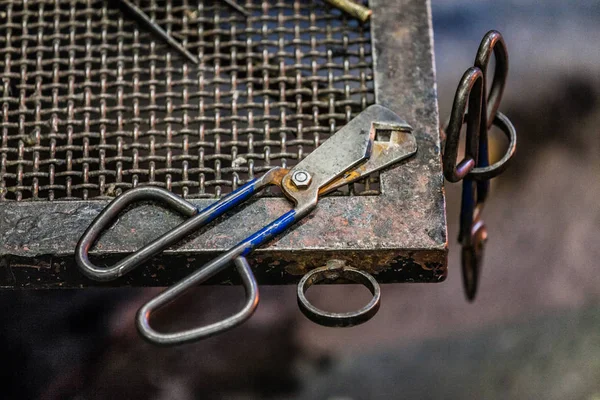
x=92, y=105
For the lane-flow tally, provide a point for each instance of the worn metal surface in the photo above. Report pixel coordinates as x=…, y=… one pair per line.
x=399, y=235
x=93, y=103
x=154, y=27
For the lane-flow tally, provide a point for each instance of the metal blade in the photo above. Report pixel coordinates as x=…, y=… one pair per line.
x=394, y=142
x=347, y=148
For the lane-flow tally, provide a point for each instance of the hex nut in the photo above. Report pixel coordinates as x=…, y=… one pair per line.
x=301, y=179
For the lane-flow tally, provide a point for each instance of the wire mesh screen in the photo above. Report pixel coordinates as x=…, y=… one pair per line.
x=94, y=104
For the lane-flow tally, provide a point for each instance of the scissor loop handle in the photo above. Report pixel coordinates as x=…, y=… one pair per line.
x=197, y=219
x=195, y=222
x=493, y=43
x=481, y=115
x=165, y=339
x=469, y=93
x=108, y=216
x=333, y=319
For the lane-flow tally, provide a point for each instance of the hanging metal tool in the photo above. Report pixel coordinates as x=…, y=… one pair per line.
x=350, y=154
x=475, y=170
x=158, y=30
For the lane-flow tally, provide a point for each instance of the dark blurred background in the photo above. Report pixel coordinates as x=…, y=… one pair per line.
x=533, y=331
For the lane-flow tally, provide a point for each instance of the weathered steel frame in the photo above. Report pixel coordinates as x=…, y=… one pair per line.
x=400, y=235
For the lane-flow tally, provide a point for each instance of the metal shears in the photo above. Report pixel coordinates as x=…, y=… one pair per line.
x=352, y=153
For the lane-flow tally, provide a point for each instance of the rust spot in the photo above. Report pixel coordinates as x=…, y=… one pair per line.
x=348, y=177
x=374, y=262
x=277, y=176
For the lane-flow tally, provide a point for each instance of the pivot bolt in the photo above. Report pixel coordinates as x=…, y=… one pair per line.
x=301, y=179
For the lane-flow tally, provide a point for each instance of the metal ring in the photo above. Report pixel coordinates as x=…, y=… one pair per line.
x=332, y=319
x=486, y=173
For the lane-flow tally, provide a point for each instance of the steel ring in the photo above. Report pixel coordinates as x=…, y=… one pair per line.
x=333, y=319
x=486, y=173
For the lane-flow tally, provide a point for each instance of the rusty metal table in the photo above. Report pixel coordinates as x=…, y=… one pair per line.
x=84, y=118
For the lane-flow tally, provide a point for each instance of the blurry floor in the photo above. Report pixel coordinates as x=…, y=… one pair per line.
x=534, y=329
x=554, y=356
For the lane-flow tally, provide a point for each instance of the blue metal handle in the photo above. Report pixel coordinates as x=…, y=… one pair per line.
x=218, y=264
x=268, y=232
x=110, y=213
x=236, y=254
x=208, y=214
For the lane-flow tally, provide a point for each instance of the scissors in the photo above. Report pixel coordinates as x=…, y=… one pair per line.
x=351, y=153
x=475, y=170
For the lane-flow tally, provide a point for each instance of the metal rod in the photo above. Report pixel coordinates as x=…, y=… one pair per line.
x=237, y=7
x=161, y=243
x=356, y=10
x=141, y=15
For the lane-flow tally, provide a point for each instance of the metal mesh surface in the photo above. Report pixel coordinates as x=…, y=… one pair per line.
x=93, y=103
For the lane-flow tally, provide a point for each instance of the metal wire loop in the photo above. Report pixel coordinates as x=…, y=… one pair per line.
x=108, y=215
x=196, y=220
x=332, y=273
x=469, y=93
x=203, y=332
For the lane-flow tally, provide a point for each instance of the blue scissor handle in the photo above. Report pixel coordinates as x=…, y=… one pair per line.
x=237, y=255
x=250, y=286
x=197, y=220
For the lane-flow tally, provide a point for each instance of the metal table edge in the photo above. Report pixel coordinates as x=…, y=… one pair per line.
x=400, y=235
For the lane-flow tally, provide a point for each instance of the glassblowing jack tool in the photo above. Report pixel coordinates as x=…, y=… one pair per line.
x=349, y=155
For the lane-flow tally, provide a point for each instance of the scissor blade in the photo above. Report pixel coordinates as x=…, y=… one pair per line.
x=401, y=145
x=347, y=148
